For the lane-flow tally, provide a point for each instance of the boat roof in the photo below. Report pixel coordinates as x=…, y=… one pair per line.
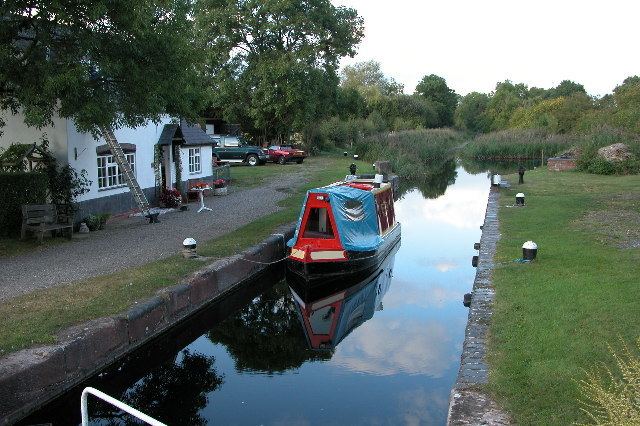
x=367, y=185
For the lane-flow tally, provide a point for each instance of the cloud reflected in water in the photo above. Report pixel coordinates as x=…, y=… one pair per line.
x=427, y=295
x=419, y=346
x=462, y=207
x=419, y=407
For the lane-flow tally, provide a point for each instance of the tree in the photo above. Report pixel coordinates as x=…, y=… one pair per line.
x=567, y=88
x=350, y=103
x=368, y=79
x=272, y=64
x=503, y=102
x=406, y=112
x=98, y=62
x=471, y=113
x=435, y=89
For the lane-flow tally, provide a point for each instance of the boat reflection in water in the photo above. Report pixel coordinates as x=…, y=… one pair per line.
x=328, y=314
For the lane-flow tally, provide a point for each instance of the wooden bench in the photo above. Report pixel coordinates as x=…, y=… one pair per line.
x=41, y=218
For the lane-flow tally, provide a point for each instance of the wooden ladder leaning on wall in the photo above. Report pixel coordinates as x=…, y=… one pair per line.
x=129, y=177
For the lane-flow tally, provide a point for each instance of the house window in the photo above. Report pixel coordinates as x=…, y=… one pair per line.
x=109, y=173
x=194, y=160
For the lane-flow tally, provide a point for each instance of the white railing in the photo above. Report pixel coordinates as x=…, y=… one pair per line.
x=119, y=404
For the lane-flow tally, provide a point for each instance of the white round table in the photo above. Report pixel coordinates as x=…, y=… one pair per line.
x=201, y=197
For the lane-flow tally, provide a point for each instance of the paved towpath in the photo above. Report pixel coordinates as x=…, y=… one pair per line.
x=130, y=242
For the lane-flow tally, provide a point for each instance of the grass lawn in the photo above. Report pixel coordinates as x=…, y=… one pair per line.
x=249, y=177
x=554, y=319
x=35, y=318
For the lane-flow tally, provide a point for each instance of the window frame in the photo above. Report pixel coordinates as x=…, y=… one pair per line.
x=108, y=171
x=195, y=160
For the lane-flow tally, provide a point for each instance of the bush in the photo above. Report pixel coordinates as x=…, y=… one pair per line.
x=613, y=397
x=103, y=217
x=171, y=198
x=517, y=144
x=17, y=189
x=589, y=161
x=411, y=152
x=93, y=222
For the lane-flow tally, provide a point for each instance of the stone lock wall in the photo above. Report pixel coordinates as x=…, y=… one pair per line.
x=468, y=403
x=32, y=377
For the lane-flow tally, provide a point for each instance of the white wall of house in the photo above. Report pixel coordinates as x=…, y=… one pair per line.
x=15, y=131
x=206, y=166
x=82, y=155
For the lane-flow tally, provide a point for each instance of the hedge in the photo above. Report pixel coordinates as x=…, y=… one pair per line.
x=17, y=189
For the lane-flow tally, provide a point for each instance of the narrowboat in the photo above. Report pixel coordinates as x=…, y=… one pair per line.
x=328, y=316
x=345, y=230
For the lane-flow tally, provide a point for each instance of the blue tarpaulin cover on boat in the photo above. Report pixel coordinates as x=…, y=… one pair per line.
x=355, y=214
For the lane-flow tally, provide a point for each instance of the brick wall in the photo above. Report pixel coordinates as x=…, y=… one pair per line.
x=561, y=164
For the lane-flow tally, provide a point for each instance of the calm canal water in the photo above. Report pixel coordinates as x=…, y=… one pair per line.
x=248, y=361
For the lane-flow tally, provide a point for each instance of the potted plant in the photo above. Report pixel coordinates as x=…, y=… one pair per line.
x=220, y=187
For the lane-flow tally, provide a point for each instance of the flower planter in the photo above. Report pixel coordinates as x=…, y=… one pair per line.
x=220, y=191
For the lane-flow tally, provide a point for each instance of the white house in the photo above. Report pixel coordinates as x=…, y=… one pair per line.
x=154, y=151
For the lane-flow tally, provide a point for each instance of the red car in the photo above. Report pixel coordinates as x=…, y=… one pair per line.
x=282, y=154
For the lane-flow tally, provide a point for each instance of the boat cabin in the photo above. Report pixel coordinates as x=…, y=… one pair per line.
x=343, y=219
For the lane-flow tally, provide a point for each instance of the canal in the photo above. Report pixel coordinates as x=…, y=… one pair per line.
x=253, y=358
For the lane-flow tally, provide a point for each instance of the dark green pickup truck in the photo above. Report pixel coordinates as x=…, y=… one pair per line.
x=231, y=149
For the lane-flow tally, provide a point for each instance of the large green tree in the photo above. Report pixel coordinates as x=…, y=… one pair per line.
x=272, y=63
x=505, y=99
x=567, y=88
x=434, y=89
x=99, y=62
x=471, y=113
x=368, y=79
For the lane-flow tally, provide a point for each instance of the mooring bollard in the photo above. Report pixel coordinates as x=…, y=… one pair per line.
x=529, y=250
x=346, y=153
x=466, y=301
x=353, y=168
x=474, y=261
x=355, y=156
x=189, y=248
x=476, y=246
x=520, y=199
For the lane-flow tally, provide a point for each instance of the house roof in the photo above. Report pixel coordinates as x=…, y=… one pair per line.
x=190, y=133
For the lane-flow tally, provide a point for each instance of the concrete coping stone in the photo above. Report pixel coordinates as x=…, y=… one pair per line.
x=468, y=404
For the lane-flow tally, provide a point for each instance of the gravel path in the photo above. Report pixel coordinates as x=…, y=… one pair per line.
x=130, y=242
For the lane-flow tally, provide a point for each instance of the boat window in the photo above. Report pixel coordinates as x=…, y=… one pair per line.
x=353, y=210
x=322, y=319
x=318, y=224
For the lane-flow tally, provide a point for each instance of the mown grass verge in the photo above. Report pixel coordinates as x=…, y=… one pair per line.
x=36, y=318
x=249, y=177
x=553, y=319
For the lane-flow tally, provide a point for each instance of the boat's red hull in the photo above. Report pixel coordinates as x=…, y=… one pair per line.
x=358, y=266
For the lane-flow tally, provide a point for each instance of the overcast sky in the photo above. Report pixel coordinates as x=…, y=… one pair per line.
x=475, y=43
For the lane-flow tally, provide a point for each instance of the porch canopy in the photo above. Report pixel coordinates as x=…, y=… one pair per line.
x=191, y=134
